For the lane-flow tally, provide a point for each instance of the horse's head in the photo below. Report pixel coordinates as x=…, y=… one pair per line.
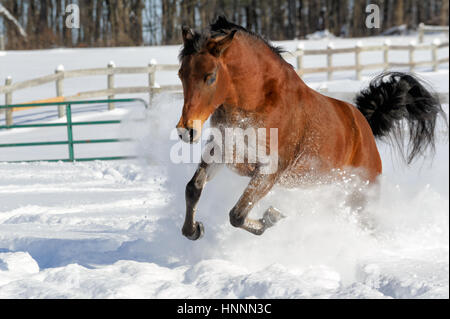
x=205, y=80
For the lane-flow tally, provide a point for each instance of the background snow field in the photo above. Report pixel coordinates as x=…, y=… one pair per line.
x=113, y=229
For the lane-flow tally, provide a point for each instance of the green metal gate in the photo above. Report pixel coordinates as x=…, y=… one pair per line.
x=70, y=124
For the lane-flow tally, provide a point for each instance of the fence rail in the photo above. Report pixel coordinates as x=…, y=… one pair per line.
x=151, y=87
x=423, y=29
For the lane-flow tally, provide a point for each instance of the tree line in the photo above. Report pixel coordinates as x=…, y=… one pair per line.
x=157, y=22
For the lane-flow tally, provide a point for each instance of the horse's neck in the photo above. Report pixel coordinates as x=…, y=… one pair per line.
x=256, y=71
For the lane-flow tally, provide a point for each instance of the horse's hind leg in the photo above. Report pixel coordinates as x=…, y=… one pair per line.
x=258, y=187
x=358, y=202
x=191, y=229
x=259, y=226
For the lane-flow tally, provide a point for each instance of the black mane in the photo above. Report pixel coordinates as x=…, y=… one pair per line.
x=221, y=27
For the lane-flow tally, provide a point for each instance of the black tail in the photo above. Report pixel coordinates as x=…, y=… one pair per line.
x=392, y=97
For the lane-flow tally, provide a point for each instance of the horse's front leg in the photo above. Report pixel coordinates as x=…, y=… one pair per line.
x=258, y=187
x=191, y=229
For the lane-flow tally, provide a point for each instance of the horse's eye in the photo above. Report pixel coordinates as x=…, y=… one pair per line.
x=210, y=78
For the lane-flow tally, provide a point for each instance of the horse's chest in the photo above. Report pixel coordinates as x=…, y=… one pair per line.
x=236, y=118
x=239, y=138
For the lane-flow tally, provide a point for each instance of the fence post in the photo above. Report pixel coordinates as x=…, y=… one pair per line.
x=8, y=101
x=434, y=48
x=111, y=67
x=386, y=46
x=59, y=88
x=421, y=32
x=152, y=78
x=358, y=50
x=300, y=53
x=70, y=132
x=412, y=47
x=330, y=48
x=2, y=42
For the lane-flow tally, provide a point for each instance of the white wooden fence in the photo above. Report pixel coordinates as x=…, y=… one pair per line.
x=359, y=48
x=151, y=87
x=423, y=29
x=110, y=72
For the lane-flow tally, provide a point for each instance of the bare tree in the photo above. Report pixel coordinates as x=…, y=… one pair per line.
x=138, y=22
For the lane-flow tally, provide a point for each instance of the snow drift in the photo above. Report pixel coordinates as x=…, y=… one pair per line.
x=113, y=229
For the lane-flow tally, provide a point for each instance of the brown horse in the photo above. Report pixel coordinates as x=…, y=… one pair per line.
x=238, y=79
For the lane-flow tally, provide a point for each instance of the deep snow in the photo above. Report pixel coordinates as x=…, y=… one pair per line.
x=112, y=229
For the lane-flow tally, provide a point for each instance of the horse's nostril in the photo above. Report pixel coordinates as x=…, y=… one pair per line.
x=192, y=134
x=187, y=135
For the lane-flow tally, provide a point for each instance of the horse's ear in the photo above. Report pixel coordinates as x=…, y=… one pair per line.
x=218, y=46
x=188, y=33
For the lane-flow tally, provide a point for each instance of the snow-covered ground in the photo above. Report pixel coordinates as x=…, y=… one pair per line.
x=112, y=229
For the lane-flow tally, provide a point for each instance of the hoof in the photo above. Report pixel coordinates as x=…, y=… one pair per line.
x=235, y=221
x=198, y=233
x=271, y=217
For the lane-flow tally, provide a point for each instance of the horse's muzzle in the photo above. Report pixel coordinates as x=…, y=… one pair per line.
x=189, y=135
